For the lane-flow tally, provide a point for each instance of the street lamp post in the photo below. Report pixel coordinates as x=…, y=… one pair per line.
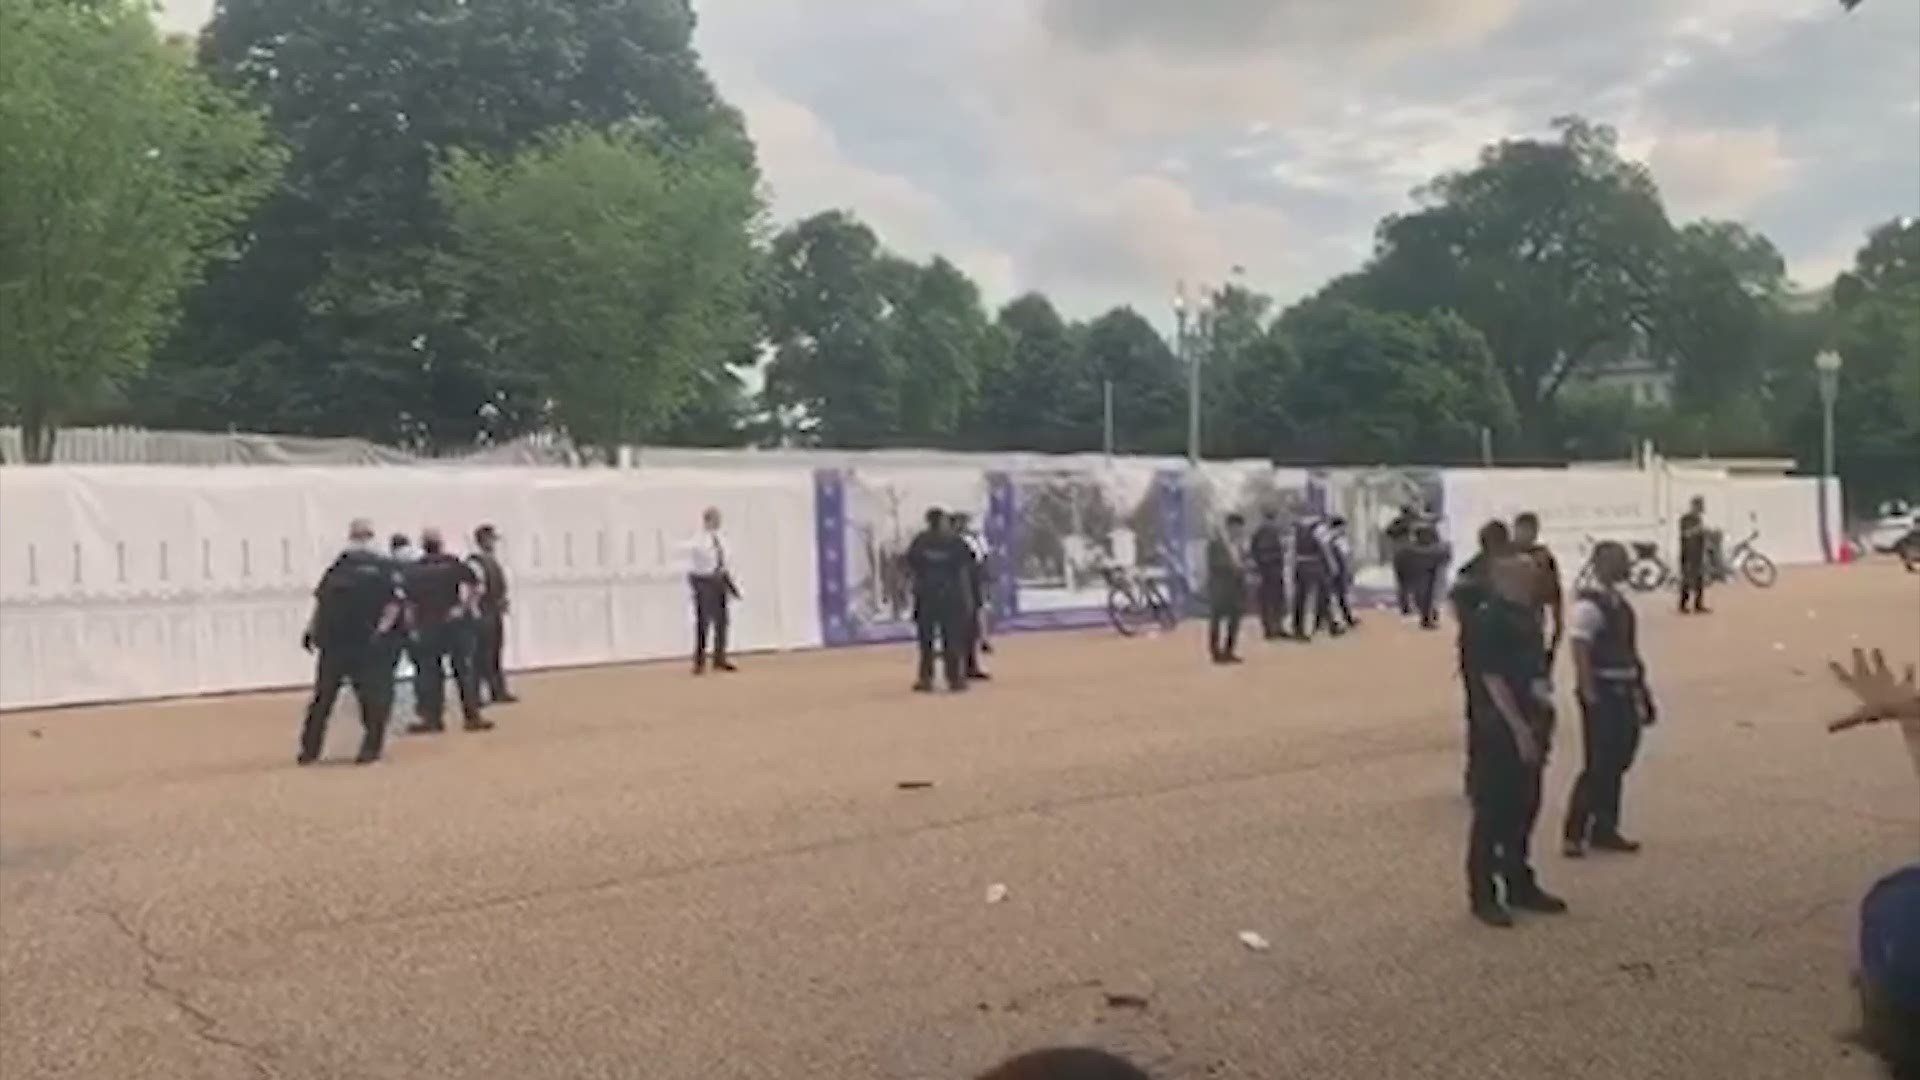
x=1827, y=365
x=1183, y=350
x=1106, y=416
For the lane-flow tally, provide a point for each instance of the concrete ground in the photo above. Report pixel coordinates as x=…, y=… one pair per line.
x=641, y=875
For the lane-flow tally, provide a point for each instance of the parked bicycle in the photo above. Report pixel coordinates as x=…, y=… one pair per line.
x=1747, y=560
x=1646, y=572
x=1138, y=600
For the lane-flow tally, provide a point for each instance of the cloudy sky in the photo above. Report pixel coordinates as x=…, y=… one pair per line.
x=1100, y=150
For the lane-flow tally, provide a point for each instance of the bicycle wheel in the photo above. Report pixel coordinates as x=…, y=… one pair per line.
x=1759, y=570
x=1648, y=575
x=1125, y=612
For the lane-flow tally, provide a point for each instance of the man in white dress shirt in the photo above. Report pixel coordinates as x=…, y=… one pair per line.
x=713, y=590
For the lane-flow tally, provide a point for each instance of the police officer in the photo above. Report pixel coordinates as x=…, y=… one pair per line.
x=491, y=628
x=938, y=561
x=1425, y=560
x=1399, y=544
x=711, y=579
x=1311, y=580
x=1511, y=732
x=1268, y=550
x=1549, y=599
x=976, y=592
x=1693, y=558
x=441, y=591
x=1226, y=590
x=356, y=612
x=1339, y=549
x=1614, y=704
x=1471, y=588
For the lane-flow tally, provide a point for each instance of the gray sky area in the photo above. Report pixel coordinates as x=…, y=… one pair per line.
x=1100, y=150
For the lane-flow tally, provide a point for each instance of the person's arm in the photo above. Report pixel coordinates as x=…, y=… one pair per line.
x=1584, y=681
x=1557, y=603
x=1509, y=708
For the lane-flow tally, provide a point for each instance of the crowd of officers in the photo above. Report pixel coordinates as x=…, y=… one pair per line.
x=1300, y=576
x=947, y=562
x=437, y=609
x=1513, y=620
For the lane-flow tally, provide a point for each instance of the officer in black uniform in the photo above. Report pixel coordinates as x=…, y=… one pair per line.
x=1399, y=543
x=491, y=629
x=1511, y=735
x=1312, y=569
x=1425, y=560
x=938, y=560
x=440, y=593
x=1549, y=598
x=356, y=613
x=962, y=528
x=1268, y=549
x=1614, y=704
x=1693, y=558
x=1471, y=588
x=1226, y=590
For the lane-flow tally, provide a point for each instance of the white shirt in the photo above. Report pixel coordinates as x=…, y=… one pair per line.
x=1587, y=618
x=707, y=554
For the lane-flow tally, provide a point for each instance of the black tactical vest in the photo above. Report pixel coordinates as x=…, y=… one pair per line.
x=1616, y=647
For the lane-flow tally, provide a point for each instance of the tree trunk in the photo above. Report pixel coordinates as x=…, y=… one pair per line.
x=37, y=434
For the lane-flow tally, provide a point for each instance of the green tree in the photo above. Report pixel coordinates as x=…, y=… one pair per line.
x=1723, y=286
x=1035, y=391
x=1876, y=330
x=1149, y=387
x=338, y=319
x=835, y=369
x=1553, y=249
x=614, y=272
x=125, y=170
x=1256, y=416
x=1231, y=336
x=1374, y=387
x=942, y=339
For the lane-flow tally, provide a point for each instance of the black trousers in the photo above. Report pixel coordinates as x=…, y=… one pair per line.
x=1223, y=626
x=1610, y=737
x=976, y=633
x=1272, y=597
x=1341, y=586
x=1693, y=584
x=1425, y=586
x=711, y=618
x=370, y=670
x=436, y=648
x=1311, y=588
x=942, y=626
x=1506, y=805
x=489, y=647
x=1403, y=583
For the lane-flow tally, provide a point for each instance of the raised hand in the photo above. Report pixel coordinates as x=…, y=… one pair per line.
x=1882, y=697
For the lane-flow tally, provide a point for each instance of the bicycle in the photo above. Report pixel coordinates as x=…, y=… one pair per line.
x=1137, y=601
x=1646, y=570
x=1746, y=559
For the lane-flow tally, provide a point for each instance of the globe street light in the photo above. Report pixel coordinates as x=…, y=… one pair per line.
x=1827, y=365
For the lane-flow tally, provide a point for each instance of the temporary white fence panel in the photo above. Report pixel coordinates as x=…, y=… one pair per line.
x=125, y=583
x=1579, y=506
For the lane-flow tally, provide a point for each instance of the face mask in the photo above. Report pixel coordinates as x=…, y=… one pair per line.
x=365, y=544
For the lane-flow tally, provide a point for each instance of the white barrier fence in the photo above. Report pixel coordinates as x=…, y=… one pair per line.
x=128, y=583
x=122, y=583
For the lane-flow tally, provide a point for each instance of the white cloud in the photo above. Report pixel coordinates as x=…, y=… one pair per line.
x=1719, y=173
